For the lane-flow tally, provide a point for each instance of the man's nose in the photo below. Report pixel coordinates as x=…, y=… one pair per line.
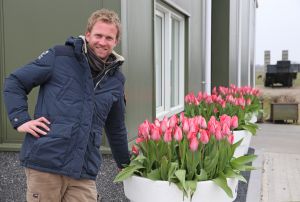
x=102, y=41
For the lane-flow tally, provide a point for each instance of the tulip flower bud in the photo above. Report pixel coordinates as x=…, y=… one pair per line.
x=135, y=150
x=194, y=144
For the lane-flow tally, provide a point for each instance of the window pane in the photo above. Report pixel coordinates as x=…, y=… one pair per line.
x=175, y=63
x=158, y=60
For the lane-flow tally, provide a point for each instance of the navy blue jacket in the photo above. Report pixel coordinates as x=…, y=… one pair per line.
x=77, y=107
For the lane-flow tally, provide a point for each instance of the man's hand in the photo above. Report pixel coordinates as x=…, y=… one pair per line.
x=34, y=127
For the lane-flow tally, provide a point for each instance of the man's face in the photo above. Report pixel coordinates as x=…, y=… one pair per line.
x=102, y=39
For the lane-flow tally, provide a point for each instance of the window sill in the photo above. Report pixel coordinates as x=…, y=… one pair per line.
x=170, y=113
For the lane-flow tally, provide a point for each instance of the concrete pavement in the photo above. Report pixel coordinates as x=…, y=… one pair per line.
x=278, y=180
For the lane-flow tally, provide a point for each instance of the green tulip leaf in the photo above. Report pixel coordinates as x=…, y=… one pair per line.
x=191, y=187
x=242, y=167
x=127, y=172
x=222, y=182
x=164, y=169
x=202, y=176
x=229, y=173
x=244, y=159
x=173, y=168
x=154, y=175
x=250, y=127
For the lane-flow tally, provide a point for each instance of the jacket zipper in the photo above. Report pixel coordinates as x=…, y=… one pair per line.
x=97, y=76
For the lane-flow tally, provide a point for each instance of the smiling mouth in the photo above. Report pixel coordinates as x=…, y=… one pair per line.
x=102, y=49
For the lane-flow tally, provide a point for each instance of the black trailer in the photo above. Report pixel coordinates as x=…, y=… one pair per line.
x=282, y=73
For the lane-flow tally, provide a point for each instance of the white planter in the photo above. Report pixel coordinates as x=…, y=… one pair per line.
x=253, y=118
x=244, y=146
x=139, y=189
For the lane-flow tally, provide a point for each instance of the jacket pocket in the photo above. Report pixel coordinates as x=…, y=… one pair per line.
x=94, y=156
x=52, y=149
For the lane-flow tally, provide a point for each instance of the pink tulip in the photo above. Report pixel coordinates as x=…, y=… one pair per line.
x=215, y=110
x=201, y=122
x=219, y=99
x=200, y=96
x=164, y=124
x=178, y=134
x=173, y=121
x=135, y=150
x=230, y=99
x=204, y=137
x=241, y=101
x=181, y=117
x=232, y=86
x=144, y=130
x=214, y=91
x=168, y=135
x=248, y=101
x=213, y=97
x=223, y=90
x=212, y=125
x=189, y=98
x=193, y=125
x=185, y=126
x=230, y=138
x=225, y=120
x=225, y=129
x=209, y=100
x=155, y=133
x=218, y=133
x=223, y=104
x=191, y=135
x=194, y=144
x=157, y=123
x=139, y=140
x=234, y=122
x=236, y=102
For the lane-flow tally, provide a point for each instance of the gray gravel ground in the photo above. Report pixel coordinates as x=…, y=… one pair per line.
x=13, y=181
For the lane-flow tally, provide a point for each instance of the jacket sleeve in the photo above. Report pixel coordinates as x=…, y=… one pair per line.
x=19, y=84
x=117, y=134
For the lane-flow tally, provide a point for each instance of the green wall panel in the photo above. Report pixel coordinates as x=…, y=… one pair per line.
x=220, y=43
x=139, y=68
x=27, y=29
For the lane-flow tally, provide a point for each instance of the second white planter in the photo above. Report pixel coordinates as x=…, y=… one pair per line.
x=244, y=146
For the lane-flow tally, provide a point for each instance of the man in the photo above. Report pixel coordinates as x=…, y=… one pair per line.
x=81, y=91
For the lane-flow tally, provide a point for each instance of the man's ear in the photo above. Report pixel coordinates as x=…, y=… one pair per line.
x=87, y=36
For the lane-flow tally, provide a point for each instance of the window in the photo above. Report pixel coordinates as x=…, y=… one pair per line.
x=169, y=62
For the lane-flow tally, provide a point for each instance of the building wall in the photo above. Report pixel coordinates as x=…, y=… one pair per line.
x=28, y=28
x=245, y=56
x=233, y=42
x=220, y=43
x=138, y=49
x=252, y=23
x=196, y=73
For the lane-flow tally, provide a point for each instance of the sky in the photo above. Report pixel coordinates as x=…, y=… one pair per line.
x=277, y=29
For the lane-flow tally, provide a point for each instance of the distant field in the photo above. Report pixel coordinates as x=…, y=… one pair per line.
x=260, y=77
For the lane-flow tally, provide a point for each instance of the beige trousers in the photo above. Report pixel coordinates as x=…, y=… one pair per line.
x=48, y=187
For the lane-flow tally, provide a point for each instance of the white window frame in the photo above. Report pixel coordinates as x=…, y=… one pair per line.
x=167, y=15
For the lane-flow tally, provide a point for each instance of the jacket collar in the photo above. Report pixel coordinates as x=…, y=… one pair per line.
x=80, y=46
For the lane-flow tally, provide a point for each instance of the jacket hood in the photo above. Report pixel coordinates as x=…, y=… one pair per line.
x=80, y=46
